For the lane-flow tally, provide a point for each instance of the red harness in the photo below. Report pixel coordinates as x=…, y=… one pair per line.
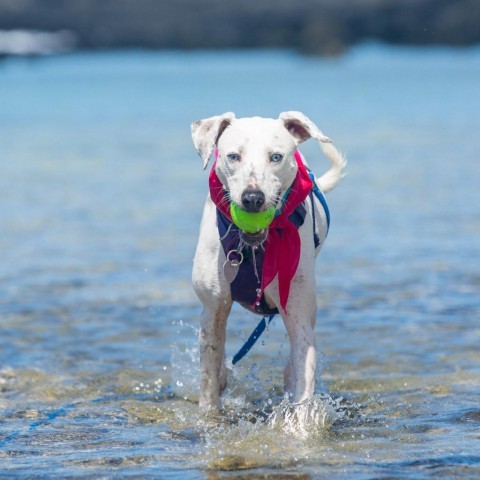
x=282, y=247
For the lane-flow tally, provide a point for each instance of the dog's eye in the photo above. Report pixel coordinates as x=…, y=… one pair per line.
x=233, y=157
x=276, y=157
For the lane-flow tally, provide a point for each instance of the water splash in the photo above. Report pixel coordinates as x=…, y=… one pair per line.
x=310, y=418
x=258, y=425
x=286, y=435
x=185, y=362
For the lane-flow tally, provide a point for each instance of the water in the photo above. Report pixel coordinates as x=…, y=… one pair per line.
x=100, y=200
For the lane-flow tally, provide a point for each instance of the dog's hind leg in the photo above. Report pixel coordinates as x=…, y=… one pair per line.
x=213, y=378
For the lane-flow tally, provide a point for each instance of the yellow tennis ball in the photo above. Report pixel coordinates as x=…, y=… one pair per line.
x=251, y=222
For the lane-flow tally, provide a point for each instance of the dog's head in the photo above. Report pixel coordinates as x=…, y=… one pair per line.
x=255, y=162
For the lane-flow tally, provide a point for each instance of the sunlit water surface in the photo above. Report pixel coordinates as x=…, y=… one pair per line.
x=100, y=200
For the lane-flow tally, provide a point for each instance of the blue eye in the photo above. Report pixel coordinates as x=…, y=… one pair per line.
x=276, y=157
x=233, y=157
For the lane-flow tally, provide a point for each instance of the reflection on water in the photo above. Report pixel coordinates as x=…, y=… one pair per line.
x=100, y=200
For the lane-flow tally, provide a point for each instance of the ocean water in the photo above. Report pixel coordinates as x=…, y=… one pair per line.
x=101, y=194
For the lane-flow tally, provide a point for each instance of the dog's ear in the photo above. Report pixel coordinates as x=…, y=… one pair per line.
x=301, y=127
x=205, y=134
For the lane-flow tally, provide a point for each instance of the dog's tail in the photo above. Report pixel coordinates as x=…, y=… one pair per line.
x=329, y=180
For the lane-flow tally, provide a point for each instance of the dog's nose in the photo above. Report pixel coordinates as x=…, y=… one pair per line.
x=253, y=200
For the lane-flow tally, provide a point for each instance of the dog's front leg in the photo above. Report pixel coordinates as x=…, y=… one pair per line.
x=213, y=375
x=214, y=292
x=299, y=321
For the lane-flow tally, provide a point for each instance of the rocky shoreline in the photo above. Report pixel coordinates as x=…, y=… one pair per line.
x=324, y=27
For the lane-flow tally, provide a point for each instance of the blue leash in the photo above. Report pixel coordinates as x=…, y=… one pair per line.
x=262, y=325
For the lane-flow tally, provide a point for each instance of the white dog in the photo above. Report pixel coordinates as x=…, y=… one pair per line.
x=258, y=166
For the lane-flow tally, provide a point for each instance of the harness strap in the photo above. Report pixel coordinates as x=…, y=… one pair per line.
x=316, y=239
x=321, y=197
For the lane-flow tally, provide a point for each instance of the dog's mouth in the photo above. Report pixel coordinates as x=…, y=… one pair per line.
x=254, y=239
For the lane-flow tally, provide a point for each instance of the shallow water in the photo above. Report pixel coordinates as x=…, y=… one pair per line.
x=100, y=200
